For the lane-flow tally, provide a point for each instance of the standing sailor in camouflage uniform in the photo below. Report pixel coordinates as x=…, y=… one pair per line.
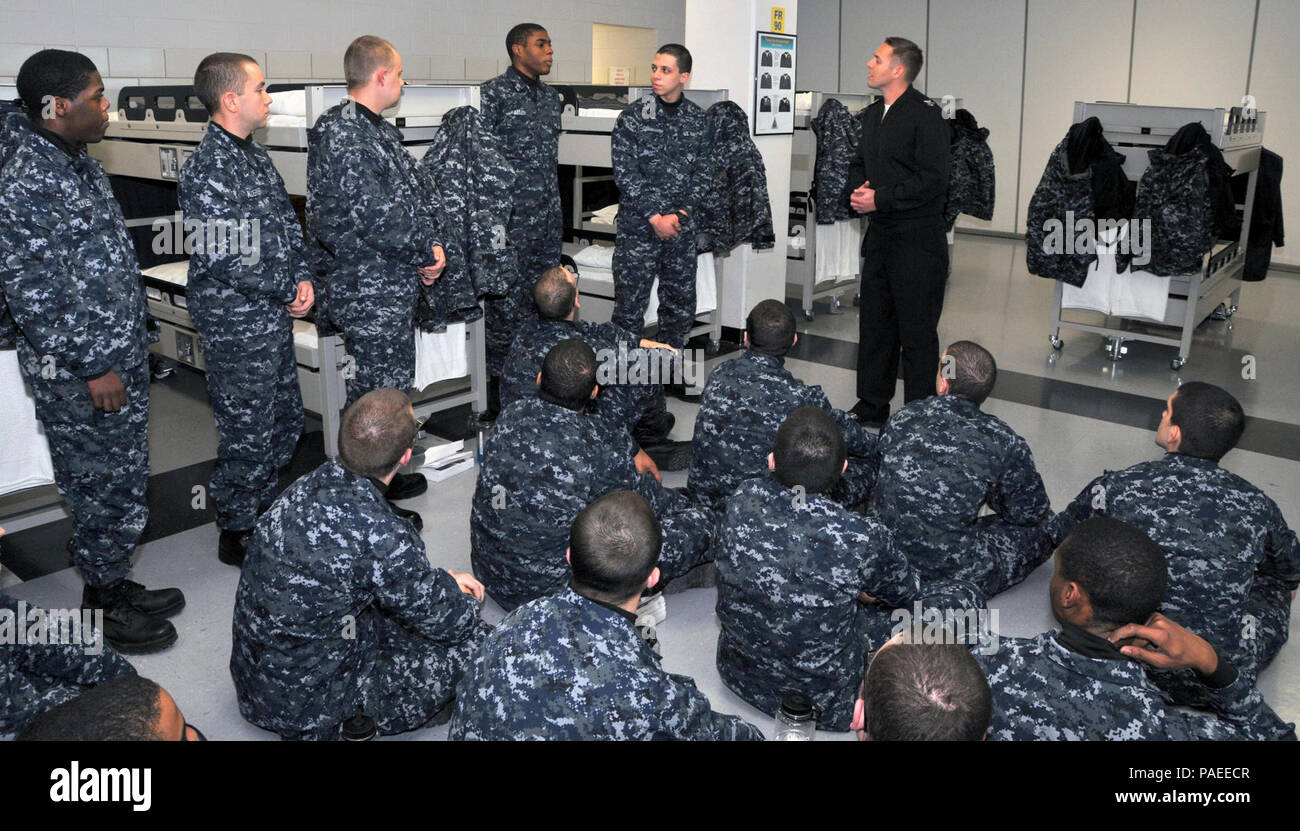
x=792, y=567
x=14, y=124
x=544, y=462
x=635, y=406
x=573, y=665
x=660, y=150
x=1086, y=681
x=69, y=274
x=746, y=400
x=243, y=298
x=1233, y=562
x=941, y=459
x=525, y=113
x=373, y=214
x=338, y=609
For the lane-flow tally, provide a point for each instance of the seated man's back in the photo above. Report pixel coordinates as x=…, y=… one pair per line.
x=940, y=460
x=573, y=665
x=338, y=608
x=744, y=403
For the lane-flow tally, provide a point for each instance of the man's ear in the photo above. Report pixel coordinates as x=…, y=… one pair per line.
x=859, y=715
x=795, y=341
x=1175, y=435
x=567, y=552
x=771, y=461
x=845, y=468
x=406, y=457
x=595, y=391
x=941, y=386
x=539, y=379
x=686, y=78
x=653, y=579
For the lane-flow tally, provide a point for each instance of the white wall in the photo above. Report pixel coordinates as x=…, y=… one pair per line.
x=819, y=23
x=630, y=46
x=1188, y=53
x=720, y=35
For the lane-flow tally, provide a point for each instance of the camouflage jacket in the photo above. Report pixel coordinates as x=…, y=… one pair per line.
x=67, y=266
x=13, y=126
x=541, y=466
x=569, y=668
x=1044, y=691
x=372, y=214
x=971, y=181
x=232, y=194
x=525, y=116
x=941, y=459
x=1174, y=193
x=330, y=569
x=744, y=403
x=467, y=166
x=736, y=209
x=1222, y=538
x=790, y=569
x=838, y=133
x=36, y=676
x=662, y=163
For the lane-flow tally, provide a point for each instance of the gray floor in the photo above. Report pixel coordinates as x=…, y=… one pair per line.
x=990, y=299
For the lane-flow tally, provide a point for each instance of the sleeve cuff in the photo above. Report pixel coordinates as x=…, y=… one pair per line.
x=1223, y=676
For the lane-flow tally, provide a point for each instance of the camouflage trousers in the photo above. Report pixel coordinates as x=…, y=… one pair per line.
x=101, y=465
x=1010, y=552
x=380, y=342
x=623, y=405
x=504, y=314
x=257, y=405
x=854, y=487
x=637, y=262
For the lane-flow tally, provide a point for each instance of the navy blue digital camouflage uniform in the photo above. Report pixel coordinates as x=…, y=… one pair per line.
x=36, y=677
x=745, y=402
x=791, y=567
x=940, y=460
x=237, y=297
x=1044, y=691
x=373, y=214
x=338, y=608
x=72, y=282
x=621, y=405
x=542, y=465
x=1233, y=562
x=13, y=125
x=567, y=667
x=525, y=114
x=662, y=164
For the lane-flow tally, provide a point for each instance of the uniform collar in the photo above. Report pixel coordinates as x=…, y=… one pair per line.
x=1124, y=673
x=619, y=610
x=1190, y=461
x=73, y=151
x=956, y=402
x=245, y=143
x=521, y=78
x=764, y=359
x=374, y=117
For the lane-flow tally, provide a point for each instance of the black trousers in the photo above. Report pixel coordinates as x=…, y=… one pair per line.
x=903, y=276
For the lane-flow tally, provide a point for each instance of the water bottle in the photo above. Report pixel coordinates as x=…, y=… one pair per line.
x=359, y=728
x=795, y=721
x=482, y=429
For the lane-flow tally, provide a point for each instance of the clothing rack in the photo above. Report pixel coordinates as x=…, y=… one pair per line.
x=1215, y=289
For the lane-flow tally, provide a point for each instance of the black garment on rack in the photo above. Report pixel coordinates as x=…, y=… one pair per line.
x=736, y=209
x=1083, y=180
x=1174, y=194
x=765, y=105
x=971, y=180
x=1266, y=218
x=787, y=61
x=765, y=82
x=837, y=133
x=467, y=165
x=1227, y=223
x=786, y=83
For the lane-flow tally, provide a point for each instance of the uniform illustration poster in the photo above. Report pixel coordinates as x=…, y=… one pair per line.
x=774, y=84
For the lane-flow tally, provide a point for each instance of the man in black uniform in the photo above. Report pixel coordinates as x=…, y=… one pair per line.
x=899, y=179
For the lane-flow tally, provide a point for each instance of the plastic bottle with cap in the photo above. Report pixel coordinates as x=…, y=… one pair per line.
x=796, y=721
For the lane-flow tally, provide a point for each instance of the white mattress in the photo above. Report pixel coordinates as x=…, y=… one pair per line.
x=599, y=113
x=176, y=273
x=599, y=282
x=25, y=462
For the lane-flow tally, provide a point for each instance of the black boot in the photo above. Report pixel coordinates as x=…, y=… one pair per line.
x=653, y=427
x=415, y=518
x=126, y=628
x=232, y=546
x=493, y=399
x=406, y=485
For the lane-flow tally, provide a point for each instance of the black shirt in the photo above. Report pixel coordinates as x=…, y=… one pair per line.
x=906, y=158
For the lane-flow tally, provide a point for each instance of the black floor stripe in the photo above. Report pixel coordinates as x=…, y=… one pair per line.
x=1272, y=438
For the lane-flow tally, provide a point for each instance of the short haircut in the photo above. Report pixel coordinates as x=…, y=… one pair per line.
x=926, y=692
x=614, y=546
x=366, y=54
x=376, y=430
x=809, y=450
x=219, y=73
x=124, y=709
x=1210, y=419
x=554, y=293
x=908, y=54
x=972, y=371
x=519, y=35
x=568, y=374
x=771, y=328
x=681, y=53
x=56, y=72
x=1118, y=566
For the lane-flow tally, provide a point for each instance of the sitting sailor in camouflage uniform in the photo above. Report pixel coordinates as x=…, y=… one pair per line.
x=746, y=400
x=1087, y=682
x=544, y=462
x=922, y=692
x=244, y=298
x=1233, y=562
x=940, y=460
x=792, y=568
x=573, y=665
x=338, y=609
x=632, y=406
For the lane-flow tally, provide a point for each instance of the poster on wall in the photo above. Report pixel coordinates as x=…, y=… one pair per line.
x=774, y=64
